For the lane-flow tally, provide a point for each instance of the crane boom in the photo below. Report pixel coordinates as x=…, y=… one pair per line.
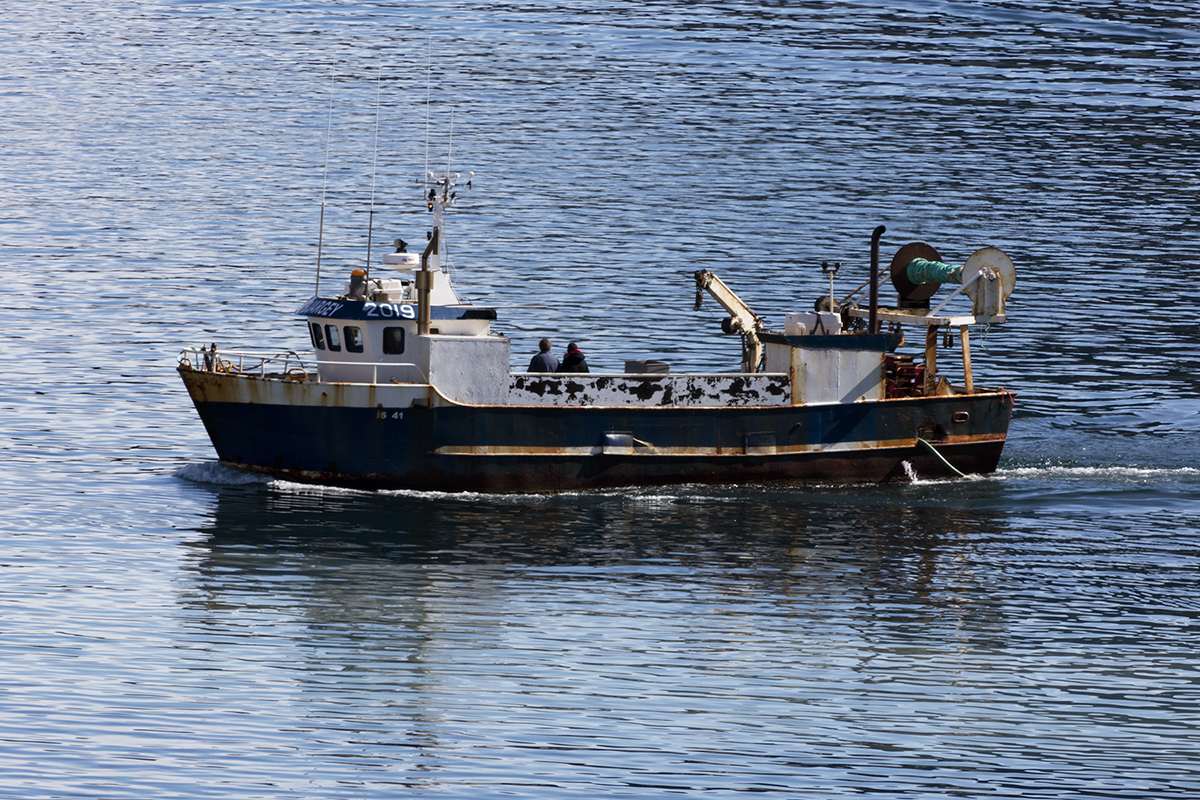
x=743, y=320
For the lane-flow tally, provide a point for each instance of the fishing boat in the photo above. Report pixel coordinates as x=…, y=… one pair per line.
x=408, y=387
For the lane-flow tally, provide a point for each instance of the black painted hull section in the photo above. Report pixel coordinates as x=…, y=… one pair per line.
x=544, y=448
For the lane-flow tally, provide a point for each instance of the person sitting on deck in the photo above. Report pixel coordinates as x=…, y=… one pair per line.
x=573, y=361
x=544, y=361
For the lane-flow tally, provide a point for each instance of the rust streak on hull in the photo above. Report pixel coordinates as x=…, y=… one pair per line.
x=410, y=437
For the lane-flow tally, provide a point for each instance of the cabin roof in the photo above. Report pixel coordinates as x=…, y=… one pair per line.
x=841, y=341
x=338, y=308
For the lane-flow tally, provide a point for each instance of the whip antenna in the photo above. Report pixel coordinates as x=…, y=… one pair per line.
x=449, y=196
x=450, y=143
x=324, y=185
x=374, y=160
x=428, y=79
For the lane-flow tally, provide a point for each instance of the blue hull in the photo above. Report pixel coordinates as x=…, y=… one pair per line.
x=555, y=448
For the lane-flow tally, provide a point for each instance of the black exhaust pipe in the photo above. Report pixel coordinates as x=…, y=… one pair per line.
x=873, y=318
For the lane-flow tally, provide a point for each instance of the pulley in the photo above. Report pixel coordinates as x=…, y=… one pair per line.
x=912, y=293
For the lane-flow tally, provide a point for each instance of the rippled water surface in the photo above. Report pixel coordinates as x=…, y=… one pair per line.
x=172, y=629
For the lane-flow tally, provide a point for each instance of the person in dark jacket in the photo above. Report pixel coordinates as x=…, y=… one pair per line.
x=544, y=361
x=573, y=361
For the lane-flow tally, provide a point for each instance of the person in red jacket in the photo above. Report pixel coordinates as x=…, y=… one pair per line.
x=573, y=361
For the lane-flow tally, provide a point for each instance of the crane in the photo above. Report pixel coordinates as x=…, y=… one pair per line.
x=743, y=320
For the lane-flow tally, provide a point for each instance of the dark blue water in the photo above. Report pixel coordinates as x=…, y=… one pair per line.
x=171, y=629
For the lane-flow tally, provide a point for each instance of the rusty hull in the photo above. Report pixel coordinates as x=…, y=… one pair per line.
x=407, y=436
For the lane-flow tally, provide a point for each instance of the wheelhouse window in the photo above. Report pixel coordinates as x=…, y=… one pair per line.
x=318, y=338
x=393, y=341
x=354, y=338
x=331, y=335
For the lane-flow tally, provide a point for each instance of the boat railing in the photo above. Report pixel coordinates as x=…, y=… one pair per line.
x=289, y=364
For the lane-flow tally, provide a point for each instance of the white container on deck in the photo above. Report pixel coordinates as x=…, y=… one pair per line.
x=792, y=326
x=811, y=322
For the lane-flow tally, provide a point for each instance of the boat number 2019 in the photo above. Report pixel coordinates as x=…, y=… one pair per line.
x=389, y=311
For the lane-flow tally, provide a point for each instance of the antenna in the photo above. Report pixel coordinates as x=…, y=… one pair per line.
x=324, y=185
x=449, y=198
x=450, y=143
x=374, y=160
x=428, y=79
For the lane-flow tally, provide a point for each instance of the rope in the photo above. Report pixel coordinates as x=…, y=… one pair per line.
x=922, y=270
x=941, y=458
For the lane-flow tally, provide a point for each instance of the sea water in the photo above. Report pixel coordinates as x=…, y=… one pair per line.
x=172, y=628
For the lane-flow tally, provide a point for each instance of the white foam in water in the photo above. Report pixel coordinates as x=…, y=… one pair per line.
x=217, y=473
x=911, y=472
x=1100, y=473
x=313, y=488
x=516, y=498
x=214, y=472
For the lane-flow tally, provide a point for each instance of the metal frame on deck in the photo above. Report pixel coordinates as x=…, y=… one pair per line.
x=932, y=322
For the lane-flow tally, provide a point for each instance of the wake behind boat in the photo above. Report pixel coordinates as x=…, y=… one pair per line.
x=407, y=387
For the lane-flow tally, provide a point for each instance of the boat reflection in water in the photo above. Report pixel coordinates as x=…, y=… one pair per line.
x=413, y=569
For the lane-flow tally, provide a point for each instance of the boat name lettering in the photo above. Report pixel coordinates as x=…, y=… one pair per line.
x=322, y=308
x=389, y=311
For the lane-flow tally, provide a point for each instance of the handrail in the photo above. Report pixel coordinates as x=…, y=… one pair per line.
x=205, y=359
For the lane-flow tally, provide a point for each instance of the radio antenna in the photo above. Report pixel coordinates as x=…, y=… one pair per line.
x=450, y=143
x=374, y=161
x=324, y=185
x=428, y=80
x=449, y=197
